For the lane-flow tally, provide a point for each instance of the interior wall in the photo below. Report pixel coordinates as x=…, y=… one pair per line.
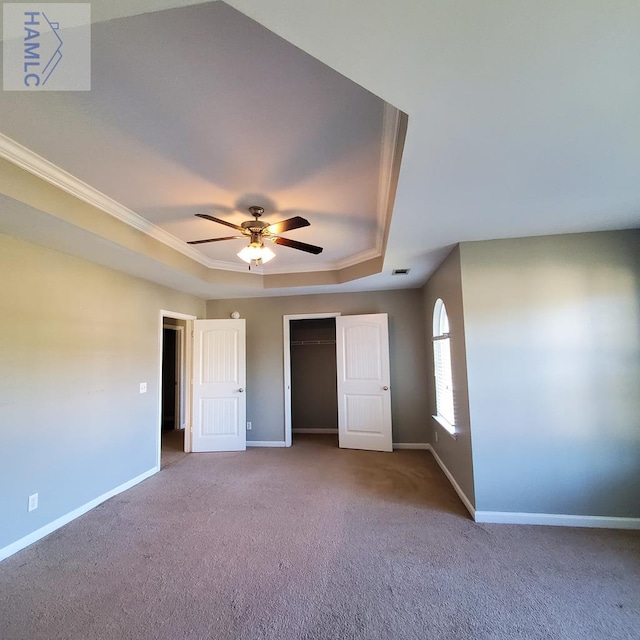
x=553, y=355
x=456, y=454
x=265, y=355
x=76, y=341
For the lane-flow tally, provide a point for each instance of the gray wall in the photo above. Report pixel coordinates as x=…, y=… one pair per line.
x=265, y=395
x=553, y=355
x=446, y=284
x=76, y=340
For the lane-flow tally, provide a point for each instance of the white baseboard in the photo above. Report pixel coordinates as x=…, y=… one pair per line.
x=454, y=484
x=20, y=544
x=556, y=520
x=316, y=430
x=548, y=519
x=265, y=443
x=412, y=445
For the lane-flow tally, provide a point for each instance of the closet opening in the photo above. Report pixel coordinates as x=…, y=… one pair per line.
x=314, y=395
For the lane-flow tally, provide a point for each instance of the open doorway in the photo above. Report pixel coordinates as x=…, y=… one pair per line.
x=174, y=423
x=311, y=405
x=173, y=389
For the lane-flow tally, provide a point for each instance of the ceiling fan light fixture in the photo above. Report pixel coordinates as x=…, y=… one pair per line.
x=256, y=252
x=258, y=232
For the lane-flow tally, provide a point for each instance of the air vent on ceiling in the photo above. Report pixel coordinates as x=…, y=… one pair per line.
x=400, y=272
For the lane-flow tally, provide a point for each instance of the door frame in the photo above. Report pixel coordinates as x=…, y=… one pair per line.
x=186, y=357
x=286, y=322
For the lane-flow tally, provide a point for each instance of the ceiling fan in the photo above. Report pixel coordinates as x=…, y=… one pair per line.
x=258, y=232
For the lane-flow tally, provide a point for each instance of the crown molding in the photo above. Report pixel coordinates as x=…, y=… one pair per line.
x=35, y=164
x=357, y=258
x=331, y=266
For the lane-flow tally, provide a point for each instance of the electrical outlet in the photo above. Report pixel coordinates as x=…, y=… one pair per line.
x=248, y=426
x=33, y=502
x=143, y=387
x=436, y=436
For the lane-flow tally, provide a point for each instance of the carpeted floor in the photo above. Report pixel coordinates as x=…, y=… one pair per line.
x=313, y=543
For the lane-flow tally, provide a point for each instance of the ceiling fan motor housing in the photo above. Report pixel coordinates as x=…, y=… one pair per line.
x=255, y=226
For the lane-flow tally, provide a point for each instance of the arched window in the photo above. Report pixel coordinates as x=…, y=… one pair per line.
x=442, y=367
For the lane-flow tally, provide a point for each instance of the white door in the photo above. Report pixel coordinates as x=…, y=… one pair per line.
x=364, y=398
x=219, y=380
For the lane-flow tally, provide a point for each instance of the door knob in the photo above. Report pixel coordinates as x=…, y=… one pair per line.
x=385, y=388
x=241, y=390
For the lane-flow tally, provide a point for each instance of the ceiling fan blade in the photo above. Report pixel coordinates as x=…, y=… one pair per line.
x=216, y=239
x=302, y=246
x=224, y=222
x=288, y=225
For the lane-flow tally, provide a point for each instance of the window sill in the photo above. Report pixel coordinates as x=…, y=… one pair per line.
x=449, y=428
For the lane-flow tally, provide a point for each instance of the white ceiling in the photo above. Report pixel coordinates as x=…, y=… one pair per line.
x=524, y=119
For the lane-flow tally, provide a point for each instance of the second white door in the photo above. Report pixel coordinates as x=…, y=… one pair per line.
x=364, y=394
x=219, y=381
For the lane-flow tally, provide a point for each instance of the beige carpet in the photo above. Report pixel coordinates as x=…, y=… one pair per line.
x=313, y=543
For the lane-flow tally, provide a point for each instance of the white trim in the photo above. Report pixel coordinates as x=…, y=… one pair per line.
x=316, y=430
x=20, y=544
x=556, y=520
x=337, y=265
x=454, y=484
x=412, y=445
x=548, y=519
x=286, y=328
x=186, y=355
x=449, y=428
x=266, y=443
x=188, y=405
x=176, y=315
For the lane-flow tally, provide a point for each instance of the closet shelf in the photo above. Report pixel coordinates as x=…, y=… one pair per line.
x=299, y=343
